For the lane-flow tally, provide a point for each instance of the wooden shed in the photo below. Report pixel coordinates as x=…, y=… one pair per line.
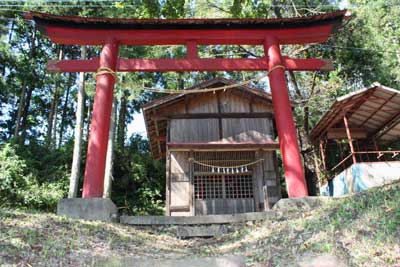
x=358, y=139
x=219, y=149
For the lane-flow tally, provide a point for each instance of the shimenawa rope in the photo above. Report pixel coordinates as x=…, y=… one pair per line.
x=105, y=70
x=225, y=167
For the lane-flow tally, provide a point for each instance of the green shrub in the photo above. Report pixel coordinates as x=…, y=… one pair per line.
x=20, y=186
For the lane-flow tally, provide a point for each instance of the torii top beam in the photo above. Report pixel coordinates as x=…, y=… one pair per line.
x=190, y=32
x=72, y=30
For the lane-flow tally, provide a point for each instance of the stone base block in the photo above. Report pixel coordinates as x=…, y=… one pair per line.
x=102, y=209
x=200, y=231
x=301, y=203
x=222, y=261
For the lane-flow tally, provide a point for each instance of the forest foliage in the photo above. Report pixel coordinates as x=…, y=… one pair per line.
x=37, y=114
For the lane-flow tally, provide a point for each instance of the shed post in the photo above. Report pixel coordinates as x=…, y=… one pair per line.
x=322, y=151
x=346, y=124
x=294, y=174
x=99, y=126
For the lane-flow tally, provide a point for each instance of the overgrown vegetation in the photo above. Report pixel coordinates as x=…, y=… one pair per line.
x=362, y=230
x=35, y=177
x=25, y=181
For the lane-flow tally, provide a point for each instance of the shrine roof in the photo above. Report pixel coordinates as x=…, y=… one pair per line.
x=374, y=109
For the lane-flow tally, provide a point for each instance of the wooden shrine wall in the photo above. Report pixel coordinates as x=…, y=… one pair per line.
x=223, y=130
x=181, y=200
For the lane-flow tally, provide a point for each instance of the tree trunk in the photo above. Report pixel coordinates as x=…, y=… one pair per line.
x=76, y=159
x=122, y=121
x=21, y=105
x=53, y=140
x=65, y=108
x=51, y=117
x=108, y=175
x=89, y=118
x=25, y=114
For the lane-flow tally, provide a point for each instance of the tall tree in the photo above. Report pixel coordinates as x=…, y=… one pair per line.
x=108, y=174
x=31, y=87
x=65, y=109
x=76, y=160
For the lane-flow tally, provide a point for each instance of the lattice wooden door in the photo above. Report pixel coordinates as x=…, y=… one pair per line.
x=225, y=189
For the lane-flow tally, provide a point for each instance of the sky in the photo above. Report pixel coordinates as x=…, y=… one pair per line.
x=137, y=125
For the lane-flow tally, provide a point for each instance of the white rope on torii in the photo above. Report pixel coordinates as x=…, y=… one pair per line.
x=104, y=70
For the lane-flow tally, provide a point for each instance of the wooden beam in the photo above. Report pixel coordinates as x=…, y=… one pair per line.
x=322, y=151
x=179, y=208
x=214, y=116
x=378, y=109
x=74, y=35
x=388, y=125
x=192, y=64
x=346, y=123
x=340, y=133
x=222, y=146
x=160, y=138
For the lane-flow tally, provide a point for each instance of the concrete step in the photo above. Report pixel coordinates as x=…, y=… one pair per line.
x=222, y=261
x=201, y=231
x=197, y=220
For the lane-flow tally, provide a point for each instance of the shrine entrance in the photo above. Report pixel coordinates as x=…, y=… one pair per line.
x=112, y=33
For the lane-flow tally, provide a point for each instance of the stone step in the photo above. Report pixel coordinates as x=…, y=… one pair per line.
x=196, y=220
x=201, y=231
x=222, y=261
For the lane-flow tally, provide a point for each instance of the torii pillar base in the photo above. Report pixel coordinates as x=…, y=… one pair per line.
x=94, y=209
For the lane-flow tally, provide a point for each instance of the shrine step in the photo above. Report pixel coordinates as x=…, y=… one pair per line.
x=196, y=220
x=201, y=231
x=222, y=261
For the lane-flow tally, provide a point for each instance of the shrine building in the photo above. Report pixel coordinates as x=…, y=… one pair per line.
x=220, y=149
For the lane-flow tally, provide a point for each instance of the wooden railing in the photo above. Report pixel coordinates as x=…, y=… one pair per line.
x=379, y=155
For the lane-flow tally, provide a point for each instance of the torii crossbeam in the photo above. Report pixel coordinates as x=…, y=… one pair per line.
x=112, y=33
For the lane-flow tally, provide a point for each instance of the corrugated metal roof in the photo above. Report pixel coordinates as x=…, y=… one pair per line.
x=376, y=109
x=159, y=24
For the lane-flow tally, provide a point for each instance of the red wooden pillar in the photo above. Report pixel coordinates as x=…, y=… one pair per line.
x=97, y=147
x=294, y=174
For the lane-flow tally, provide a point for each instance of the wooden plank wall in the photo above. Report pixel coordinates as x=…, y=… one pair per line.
x=180, y=184
x=202, y=103
x=247, y=129
x=194, y=130
x=225, y=129
x=272, y=181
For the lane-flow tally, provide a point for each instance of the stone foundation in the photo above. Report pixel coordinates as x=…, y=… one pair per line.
x=102, y=209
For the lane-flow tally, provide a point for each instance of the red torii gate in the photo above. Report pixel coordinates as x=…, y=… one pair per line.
x=111, y=33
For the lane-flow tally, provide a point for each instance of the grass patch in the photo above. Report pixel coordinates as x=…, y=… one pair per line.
x=363, y=229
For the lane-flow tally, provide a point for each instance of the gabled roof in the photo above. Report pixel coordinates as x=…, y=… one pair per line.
x=376, y=109
x=158, y=144
x=209, y=84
